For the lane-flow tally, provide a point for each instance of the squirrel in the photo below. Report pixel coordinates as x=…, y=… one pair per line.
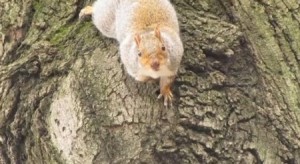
x=148, y=36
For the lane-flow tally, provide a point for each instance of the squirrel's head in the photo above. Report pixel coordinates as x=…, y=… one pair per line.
x=152, y=52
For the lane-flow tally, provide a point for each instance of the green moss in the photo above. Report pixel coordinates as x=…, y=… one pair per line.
x=37, y=6
x=84, y=26
x=60, y=34
x=63, y=32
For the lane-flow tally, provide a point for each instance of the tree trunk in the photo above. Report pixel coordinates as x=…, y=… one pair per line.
x=66, y=98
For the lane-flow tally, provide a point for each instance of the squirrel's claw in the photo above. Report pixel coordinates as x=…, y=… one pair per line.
x=88, y=10
x=168, y=96
x=165, y=90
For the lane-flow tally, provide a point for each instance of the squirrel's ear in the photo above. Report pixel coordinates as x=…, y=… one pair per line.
x=137, y=39
x=157, y=33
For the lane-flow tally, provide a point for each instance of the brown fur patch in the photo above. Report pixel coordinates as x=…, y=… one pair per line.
x=149, y=14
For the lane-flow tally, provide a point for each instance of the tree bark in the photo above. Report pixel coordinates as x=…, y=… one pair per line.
x=66, y=98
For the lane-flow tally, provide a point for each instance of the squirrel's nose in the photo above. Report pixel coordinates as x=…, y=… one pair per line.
x=155, y=65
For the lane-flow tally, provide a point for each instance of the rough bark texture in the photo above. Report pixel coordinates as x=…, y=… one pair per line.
x=65, y=97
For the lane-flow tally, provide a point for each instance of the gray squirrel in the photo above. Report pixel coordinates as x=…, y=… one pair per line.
x=148, y=36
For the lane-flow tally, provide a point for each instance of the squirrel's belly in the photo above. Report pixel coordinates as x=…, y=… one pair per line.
x=163, y=71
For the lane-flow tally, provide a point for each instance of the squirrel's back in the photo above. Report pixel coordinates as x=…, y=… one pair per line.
x=118, y=18
x=134, y=16
x=151, y=13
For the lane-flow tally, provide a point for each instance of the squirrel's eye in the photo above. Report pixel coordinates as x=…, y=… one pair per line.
x=163, y=48
x=140, y=54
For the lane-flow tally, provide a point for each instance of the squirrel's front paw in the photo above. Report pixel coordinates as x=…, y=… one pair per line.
x=168, y=96
x=88, y=10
